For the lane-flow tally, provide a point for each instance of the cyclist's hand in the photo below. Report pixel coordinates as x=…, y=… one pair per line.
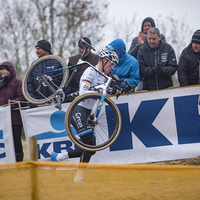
x=115, y=77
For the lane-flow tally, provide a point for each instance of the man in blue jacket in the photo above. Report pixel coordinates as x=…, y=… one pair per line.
x=127, y=67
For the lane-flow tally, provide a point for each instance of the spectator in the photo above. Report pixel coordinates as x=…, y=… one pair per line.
x=11, y=88
x=43, y=48
x=188, y=66
x=140, y=40
x=128, y=67
x=89, y=57
x=157, y=62
x=89, y=79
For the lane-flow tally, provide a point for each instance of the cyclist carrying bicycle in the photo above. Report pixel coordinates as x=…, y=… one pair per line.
x=90, y=78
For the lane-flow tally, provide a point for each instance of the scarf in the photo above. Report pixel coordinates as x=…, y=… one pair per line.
x=3, y=80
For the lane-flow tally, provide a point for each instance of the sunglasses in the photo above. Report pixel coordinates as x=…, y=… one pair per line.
x=111, y=62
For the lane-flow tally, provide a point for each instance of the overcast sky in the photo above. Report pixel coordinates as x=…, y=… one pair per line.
x=189, y=10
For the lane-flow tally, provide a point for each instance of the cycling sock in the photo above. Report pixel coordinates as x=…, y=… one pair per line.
x=79, y=175
x=62, y=156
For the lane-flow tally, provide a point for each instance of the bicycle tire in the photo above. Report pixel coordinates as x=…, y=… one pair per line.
x=105, y=139
x=37, y=92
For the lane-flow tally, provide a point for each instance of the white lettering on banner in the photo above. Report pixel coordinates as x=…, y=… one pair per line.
x=156, y=126
x=7, y=154
x=77, y=120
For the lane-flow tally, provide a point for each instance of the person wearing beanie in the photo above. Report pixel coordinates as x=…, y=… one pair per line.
x=127, y=68
x=43, y=48
x=189, y=62
x=90, y=57
x=11, y=88
x=140, y=40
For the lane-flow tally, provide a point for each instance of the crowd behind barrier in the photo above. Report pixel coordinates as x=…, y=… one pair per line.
x=155, y=69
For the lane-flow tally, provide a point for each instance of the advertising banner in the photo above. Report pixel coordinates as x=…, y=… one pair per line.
x=156, y=126
x=7, y=152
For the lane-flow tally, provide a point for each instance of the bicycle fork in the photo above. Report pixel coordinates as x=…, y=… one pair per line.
x=94, y=119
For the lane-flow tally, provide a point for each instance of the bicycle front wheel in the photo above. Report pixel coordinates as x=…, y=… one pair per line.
x=37, y=91
x=106, y=128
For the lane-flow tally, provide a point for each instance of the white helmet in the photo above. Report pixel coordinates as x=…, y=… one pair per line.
x=110, y=55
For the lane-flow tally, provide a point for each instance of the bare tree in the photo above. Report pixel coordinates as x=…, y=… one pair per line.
x=61, y=22
x=124, y=28
x=176, y=31
x=14, y=34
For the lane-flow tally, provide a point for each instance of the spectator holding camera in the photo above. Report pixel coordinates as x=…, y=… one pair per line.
x=157, y=62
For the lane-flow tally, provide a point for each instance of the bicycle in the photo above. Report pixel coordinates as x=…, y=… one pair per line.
x=101, y=104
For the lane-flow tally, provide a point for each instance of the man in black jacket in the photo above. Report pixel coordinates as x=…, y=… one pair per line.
x=189, y=63
x=157, y=62
x=140, y=40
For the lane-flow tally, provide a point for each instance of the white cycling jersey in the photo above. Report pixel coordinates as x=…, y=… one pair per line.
x=89, y=79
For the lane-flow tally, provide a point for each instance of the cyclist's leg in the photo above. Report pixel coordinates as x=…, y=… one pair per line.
x=79, y=121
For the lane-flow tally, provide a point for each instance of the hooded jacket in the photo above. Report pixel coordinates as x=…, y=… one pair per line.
x=128, y=67
x=150, y=59
x=188, y=67
x=15, y=85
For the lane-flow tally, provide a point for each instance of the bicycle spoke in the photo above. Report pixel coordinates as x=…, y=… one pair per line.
x=105, y=134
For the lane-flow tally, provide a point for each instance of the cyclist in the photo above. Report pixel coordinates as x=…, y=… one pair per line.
x=90, y=78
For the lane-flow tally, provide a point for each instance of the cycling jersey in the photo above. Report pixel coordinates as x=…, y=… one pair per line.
x=90, y=78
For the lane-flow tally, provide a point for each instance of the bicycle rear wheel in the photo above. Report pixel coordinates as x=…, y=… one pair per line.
x=34, y=89
x=107, y=127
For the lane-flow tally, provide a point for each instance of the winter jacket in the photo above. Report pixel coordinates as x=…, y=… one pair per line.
x=128, y=67
x=188, y=67
x=15, y=85
x=91, y=58
x=150, y=60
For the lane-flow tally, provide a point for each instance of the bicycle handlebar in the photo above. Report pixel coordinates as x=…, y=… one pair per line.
x=118, y=82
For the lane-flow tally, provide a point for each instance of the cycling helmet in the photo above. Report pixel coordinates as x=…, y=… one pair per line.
x=110, y=55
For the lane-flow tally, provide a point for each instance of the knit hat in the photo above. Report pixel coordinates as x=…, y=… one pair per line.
x=80, y=43
x=4, y=67
x=196, y=37
x=44, y=44
x=148, y=19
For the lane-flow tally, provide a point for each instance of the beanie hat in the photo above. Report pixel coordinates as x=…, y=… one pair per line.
x=80, y=43
x=196, y=37
x=4, y=67
x=148, y=19
x=45, y=45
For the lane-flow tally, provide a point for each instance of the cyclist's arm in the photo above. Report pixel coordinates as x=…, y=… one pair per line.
x=86, y=80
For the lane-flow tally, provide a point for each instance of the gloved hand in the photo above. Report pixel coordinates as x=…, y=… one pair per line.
x=153, y=70
x=159, y=69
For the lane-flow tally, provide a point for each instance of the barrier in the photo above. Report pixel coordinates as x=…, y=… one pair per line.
x=156, y=126
x=102, y=181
